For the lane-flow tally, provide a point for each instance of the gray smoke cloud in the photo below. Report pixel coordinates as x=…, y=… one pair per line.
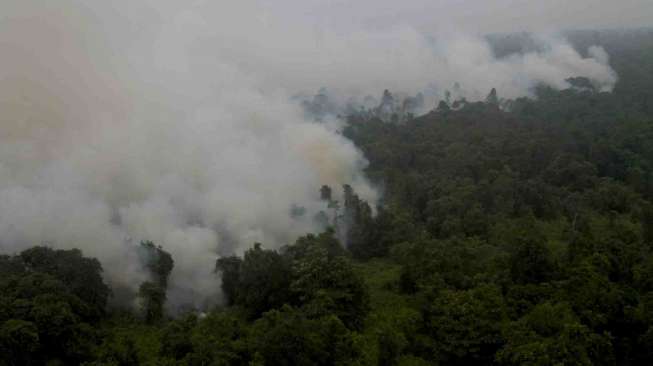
x=173, y=121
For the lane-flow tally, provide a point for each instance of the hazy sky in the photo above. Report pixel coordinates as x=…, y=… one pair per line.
x=476, y=15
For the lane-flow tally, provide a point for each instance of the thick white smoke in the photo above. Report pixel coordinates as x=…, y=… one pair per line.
x=172, y=121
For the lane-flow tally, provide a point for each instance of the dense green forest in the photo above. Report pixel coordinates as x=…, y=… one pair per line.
x=519, y=236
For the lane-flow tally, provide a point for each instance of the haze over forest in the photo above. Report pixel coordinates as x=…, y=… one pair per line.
x=200, y=180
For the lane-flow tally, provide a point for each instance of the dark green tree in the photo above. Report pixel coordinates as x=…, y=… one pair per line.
x=288, y=337
x=153, y=298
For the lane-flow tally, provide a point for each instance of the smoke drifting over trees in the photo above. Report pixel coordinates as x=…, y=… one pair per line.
x=172, y=121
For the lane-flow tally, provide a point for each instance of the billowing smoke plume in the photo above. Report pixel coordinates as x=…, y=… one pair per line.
x=172, y=121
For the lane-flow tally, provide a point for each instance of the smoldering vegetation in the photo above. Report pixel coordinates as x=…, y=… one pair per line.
x=178, y=122
x=325, y=183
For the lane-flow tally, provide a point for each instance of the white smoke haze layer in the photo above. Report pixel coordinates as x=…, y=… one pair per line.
x=172, y=121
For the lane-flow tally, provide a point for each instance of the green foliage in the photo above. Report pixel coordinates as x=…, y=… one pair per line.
x=127, y=341
x=19, y=342
x=530, y=260
x=394, y=320
x=176, y=338
x=229, y=268
x=457, y=263
x=546, y=200
x=81, y=276
x=49, y=299
x=288, y=337
x=117, y=351
x=465, y=326
x=221, y=338
x=327, y=284
x=552, y=335
x=260, y=282
x=313, y=274
x=152, y=293
x=153, y=297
